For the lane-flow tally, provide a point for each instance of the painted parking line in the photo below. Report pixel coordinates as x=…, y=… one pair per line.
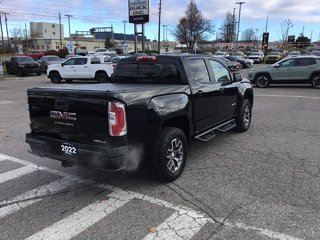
x=286, y=96
x=184, y=221
x=16, y=173
x=35, y=195
x=179, y=226
x=5, y=102
x=81, y=220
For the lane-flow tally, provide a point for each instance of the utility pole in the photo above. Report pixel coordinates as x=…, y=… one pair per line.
x=240, y=3
x=6, y=21
x=26, y=34
x=124, y=31
x=60, y=30
x=233, y=26
x=2, y=42
x=267, y=24
x=159, y=24
x=69, y=16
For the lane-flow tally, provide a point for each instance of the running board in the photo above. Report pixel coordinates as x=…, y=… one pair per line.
x=227, y=127
x=209, y=134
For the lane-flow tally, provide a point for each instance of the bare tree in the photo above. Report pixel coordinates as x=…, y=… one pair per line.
x=192, y=27
x=228, y=32
x=16, y=34
x=285, y=27
x=249, y=35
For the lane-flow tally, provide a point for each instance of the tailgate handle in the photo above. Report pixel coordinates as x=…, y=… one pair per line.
x=61, y=104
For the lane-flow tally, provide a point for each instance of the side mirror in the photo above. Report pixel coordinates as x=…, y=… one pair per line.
x=276, y=65
x=62, y=64
x=237, y=77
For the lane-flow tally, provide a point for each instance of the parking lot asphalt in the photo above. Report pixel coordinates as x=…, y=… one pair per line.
x=261, y=184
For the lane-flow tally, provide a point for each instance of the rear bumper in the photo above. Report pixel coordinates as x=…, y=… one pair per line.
x=112, y=159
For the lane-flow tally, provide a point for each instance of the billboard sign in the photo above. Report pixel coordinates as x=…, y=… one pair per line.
x=138, y=11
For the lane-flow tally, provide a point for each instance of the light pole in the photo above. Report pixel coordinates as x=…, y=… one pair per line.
x=240, y=3
x=69, y=16
x=124, y=31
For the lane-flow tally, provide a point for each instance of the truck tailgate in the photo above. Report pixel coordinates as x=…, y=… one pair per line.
x=80, y=116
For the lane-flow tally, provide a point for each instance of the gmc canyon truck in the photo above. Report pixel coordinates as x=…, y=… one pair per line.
x=151, y=110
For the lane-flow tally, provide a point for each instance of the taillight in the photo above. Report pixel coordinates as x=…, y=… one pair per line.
x=117, y=119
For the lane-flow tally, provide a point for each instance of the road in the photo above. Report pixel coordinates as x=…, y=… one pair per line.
x=261, y=184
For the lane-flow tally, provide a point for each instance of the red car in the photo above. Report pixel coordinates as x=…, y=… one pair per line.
x=35, y=54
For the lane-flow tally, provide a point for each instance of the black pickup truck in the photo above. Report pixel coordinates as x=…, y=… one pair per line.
x=149, y=113
x=22, y=65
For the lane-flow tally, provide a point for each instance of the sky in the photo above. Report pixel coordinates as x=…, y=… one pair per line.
x=304, y=15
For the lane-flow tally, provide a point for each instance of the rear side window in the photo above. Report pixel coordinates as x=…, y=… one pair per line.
x=148, y=72
x=199, y=70
x=304, y=61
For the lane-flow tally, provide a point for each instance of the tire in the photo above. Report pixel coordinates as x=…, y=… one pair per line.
x=170, y=155
x=20, y=72
x=262, y=81
x=315, y=81
x=69, y=80
x=38, y=73
x=55, y=77
x=102, y=77
x=243, y=120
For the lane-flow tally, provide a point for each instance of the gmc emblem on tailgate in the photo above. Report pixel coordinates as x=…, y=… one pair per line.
x=63, y=115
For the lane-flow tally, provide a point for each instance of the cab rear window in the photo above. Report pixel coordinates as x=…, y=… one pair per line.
x=153, y=71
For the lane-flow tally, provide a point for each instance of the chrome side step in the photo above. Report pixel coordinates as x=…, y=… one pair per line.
x=209, y=134
x=227, y=127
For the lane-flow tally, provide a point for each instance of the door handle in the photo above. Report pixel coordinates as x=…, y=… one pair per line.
x=199, y=93
x=71, y=67
x=85, y=67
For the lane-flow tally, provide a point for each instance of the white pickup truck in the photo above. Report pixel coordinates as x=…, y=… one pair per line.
x=82, y=67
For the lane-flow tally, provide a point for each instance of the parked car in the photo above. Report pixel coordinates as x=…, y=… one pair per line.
x=294, y=54
x=231, y=65
x=244, y=63
x=155, y=106
x=300, y=69
x=35, y=54
x=105, y=50
x=256, y=56
x=220, y=54
x=81, y=67
x=22, y=65
x=45, y=61
x=273, y=57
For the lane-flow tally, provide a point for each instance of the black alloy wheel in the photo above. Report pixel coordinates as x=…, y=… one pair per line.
x=315, y=81
x=243, y=120
x=262, y=81
x=171, y=154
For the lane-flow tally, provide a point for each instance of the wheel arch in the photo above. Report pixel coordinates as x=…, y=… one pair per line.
x=314, y=74
x=181, y=122
x=101, y=71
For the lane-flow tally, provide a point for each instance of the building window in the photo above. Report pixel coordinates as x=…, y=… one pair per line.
x=42, y=47
x=57, y=47
x=48, y=47
x=53, y=26
x=45, y=30
x=38, y=47
x=53, y=33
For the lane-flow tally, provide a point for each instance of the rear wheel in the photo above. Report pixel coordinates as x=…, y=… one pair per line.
x=262, y=81
x=55, y=77
x=38, y=73
x=243, y=120
x=315, y=81
x=171, y=154
x=102, y=77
